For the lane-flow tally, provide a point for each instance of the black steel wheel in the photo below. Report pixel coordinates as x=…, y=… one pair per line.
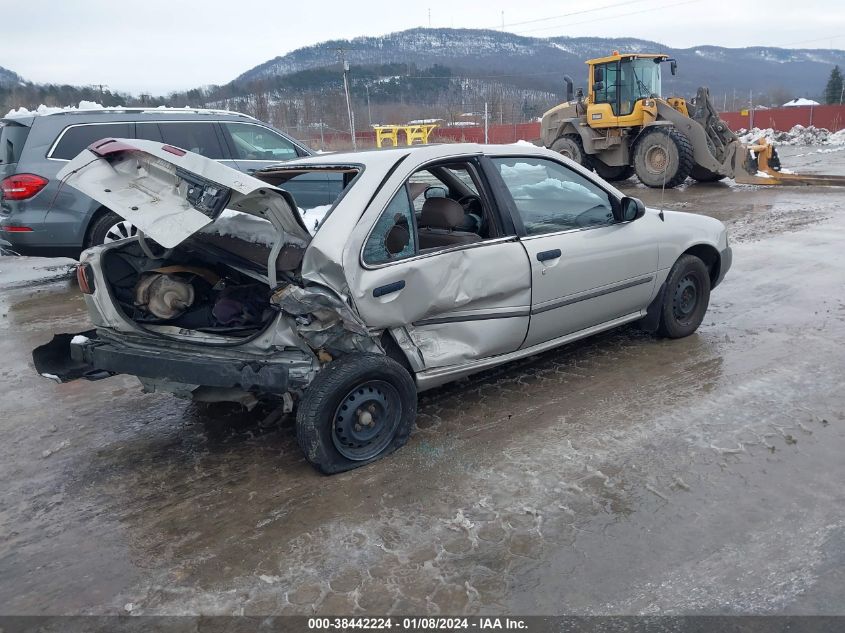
x=366, y=420
x=359, y=408
x=686, y=298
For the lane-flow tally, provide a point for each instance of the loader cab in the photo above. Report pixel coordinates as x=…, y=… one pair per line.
x=623, y=89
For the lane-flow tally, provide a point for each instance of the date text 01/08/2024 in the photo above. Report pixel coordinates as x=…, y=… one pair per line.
x=417, y=624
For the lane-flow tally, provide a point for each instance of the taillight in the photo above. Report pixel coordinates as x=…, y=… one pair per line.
x=85, y=278
x=22, y=186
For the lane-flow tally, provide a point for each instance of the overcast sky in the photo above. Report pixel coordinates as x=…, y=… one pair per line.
x=162, y=45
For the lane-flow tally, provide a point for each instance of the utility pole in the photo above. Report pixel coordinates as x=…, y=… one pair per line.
x=429, y=17
x=369, y=113
x=345, y=66
x=485, y=123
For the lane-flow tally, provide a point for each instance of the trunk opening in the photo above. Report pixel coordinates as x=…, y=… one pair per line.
x=214, y=284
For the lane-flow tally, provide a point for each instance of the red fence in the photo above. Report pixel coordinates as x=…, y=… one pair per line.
x=831, y=117
x=506, y=133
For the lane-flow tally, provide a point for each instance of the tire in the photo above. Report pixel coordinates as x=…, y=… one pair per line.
x=702, y=174
x=612, y=173
x=686, y=298
x=663, y=153
x=335, y=438
x=571, y=146
x=109, y=227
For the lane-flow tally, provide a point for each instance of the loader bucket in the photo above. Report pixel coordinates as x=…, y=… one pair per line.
x=759, y=164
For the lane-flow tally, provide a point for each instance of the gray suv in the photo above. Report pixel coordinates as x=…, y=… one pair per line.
x=41, y=216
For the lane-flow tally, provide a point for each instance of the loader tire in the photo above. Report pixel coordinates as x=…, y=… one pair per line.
x=702, y=174
x=663, y=157
x=612, y=173
x=571, y=146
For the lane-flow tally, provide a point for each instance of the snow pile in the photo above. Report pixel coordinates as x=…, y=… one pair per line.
x=43, y=109
x=798, y=135
x=251, y=228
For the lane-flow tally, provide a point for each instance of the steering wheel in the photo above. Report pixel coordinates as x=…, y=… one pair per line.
x=583, y=219
x=472, y=204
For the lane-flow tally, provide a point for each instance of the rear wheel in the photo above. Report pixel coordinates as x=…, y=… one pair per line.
x=110, y=227
x=702, y=174
x=571, y=146
x=686, y=298
x=612, y=173
x=663, y=157
x=359, y=408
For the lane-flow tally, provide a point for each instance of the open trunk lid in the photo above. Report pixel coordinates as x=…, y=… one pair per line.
x=170, y=193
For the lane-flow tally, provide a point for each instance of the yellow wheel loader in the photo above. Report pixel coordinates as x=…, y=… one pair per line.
x=625, y=126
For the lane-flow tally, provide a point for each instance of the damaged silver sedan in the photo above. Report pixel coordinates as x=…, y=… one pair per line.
x=431, y=264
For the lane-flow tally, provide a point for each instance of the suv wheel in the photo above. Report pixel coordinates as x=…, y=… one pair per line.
x=686, y=298
x=110, y=227
x=359, y=408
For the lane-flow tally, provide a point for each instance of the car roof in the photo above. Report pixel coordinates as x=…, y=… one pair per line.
x=377, y=157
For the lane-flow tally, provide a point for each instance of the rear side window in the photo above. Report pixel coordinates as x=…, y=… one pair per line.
x=77, y=138
x=199, y=137
x=12, y=138
x=255, y=142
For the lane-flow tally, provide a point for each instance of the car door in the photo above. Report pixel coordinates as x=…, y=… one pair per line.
x=587, y=269
x=456, y=304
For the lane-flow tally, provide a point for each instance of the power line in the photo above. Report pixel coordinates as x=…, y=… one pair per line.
x=613, y=17
x=565, y=15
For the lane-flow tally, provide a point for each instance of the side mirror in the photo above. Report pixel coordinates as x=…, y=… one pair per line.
x=598, y=74
x=435, y=192
x=673, y=66
x=630, y=209
x=598, y=87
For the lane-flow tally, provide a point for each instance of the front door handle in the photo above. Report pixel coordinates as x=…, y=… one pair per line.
x=396, y=286
x=546, y=255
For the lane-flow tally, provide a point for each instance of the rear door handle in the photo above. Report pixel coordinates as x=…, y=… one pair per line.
x=546, y=255
x=396, y=286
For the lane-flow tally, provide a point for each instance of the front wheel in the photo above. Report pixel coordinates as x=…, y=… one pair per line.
x=359, y=408
x=686, y=298
x=663, y=157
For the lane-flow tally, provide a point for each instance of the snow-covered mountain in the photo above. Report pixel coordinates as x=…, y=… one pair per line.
x=9, y=78
x=539, y=63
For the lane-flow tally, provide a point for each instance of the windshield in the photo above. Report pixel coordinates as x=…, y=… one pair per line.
x=638, y=79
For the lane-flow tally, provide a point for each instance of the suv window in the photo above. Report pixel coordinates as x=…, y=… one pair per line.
x=255, y=142
x=199, y=137
x=550, y=197
x=76, y=138
x=12, y=138
x=399, y=213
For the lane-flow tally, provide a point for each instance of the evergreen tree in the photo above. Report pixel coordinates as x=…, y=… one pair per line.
x=833, y=91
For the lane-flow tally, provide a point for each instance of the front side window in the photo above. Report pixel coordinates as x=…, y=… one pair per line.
x=77, y=138
x=638, y=79
x=254, y=142
x=198, y=137
x=394, y=235
x=550, y=197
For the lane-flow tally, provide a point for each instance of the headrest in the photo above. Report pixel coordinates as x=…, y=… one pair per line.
x=441, y=213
